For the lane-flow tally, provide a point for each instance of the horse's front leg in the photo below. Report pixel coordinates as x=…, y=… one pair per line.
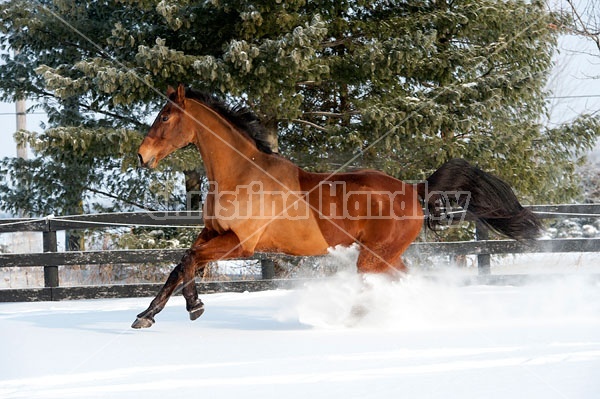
x=193, y=304
x=146, y=318
x=226, y=246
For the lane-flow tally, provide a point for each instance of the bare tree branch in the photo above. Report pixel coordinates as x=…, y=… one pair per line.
x=113, y=196
x=586, y=30
x=331, y=114
x=321, y=128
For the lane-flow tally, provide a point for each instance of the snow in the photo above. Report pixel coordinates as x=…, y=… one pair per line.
x=420, y=337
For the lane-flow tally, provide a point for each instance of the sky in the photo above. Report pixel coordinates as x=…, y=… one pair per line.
x=575, y=82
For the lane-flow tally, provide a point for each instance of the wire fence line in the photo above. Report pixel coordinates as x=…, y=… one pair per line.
x=51, y=259
x=193, y=219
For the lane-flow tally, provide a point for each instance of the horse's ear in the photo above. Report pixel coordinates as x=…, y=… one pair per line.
x=177, y=96
x=180, y=98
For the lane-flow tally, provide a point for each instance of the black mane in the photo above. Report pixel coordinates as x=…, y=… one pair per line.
x=239, y=115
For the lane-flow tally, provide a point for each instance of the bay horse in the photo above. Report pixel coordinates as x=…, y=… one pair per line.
x=261, y=202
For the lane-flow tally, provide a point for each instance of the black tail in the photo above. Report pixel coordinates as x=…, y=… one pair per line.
x=482, y=195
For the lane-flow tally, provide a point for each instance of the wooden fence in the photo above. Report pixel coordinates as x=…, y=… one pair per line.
x=50, y=259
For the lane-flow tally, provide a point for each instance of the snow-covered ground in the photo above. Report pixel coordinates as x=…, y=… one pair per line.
x=420, y=338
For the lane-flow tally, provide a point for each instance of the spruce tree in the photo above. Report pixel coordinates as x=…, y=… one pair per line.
x=400, y=86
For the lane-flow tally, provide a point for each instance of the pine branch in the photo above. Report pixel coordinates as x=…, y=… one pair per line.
x=135, y=122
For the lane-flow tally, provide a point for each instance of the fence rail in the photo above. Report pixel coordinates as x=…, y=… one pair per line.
x=50, y=259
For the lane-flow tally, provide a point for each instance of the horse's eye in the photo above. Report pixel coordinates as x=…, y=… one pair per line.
x=165, y=118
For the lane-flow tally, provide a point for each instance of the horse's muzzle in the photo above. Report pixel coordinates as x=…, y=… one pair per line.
x=147, y=164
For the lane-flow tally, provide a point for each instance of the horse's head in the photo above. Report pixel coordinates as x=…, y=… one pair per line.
x=170, y=131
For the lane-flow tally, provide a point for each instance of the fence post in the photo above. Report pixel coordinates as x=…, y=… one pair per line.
x=267, y=267
x=483, y=260
x=50, y=245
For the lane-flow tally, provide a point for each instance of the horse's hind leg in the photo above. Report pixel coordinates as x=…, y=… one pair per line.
x=372, y=262
x=381, y=250
x=146, y=318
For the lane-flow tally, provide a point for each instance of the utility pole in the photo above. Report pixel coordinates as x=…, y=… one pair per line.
x=21, y=109
x=27, y=241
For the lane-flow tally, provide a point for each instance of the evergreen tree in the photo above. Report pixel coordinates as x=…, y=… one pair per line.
x=401, y=86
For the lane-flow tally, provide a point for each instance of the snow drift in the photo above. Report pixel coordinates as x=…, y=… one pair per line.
x=418, y=337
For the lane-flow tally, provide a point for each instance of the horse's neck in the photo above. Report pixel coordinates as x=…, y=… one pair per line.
x=225, y=151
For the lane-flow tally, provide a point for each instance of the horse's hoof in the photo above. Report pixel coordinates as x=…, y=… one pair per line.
x=143, y=322
x=196, y=311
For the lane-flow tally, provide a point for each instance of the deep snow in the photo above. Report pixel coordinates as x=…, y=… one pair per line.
x=421, y=338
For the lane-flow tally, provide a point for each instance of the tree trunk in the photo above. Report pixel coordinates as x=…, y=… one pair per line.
x=272, y=134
